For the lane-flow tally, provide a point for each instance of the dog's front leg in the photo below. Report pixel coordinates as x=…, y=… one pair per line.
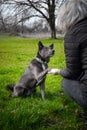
x=41, y=76
x=42, y=89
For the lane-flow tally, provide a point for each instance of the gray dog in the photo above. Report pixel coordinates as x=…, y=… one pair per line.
x=35, y=74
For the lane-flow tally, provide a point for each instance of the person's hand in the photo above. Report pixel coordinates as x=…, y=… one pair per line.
x=54, y=71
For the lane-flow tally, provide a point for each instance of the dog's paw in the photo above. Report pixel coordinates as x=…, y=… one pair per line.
x=48, y=69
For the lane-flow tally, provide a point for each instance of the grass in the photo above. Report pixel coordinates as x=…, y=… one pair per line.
x=58, y=112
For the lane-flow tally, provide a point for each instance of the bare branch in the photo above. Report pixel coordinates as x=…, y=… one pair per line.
x=26, y=18
x=38, y=10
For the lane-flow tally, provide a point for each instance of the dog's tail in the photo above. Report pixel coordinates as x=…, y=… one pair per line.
x=10, y=87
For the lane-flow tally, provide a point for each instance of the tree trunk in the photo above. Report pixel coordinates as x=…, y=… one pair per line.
x=51, y=12
x=52, y=29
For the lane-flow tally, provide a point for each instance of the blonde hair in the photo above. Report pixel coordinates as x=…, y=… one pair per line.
x=70, y=13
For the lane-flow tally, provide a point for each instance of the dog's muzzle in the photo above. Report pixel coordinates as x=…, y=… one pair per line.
x=52, y=53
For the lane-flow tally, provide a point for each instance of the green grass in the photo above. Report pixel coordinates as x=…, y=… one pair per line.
x=58, y=112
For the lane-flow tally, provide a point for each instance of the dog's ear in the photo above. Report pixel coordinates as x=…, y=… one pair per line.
x=51, y=46
x=40, y=45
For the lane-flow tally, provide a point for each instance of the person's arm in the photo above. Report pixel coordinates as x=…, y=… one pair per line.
x=66, y=73
x=63, y=72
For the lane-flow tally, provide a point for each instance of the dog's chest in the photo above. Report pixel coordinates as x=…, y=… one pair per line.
x=44, y=66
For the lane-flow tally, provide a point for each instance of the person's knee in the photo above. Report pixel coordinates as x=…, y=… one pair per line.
x=64, y=83
x=66, y=87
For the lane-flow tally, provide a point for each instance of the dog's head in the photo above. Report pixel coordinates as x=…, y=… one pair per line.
x=45, y=52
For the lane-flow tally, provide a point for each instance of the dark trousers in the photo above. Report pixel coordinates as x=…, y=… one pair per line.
x=73, y=90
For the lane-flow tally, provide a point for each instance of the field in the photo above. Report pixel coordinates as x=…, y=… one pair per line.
x=57, y=112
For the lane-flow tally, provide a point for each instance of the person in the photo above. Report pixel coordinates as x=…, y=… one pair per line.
x=72, y=20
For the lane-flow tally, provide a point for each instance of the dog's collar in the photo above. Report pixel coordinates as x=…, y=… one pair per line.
x=42, y=62
x=39, y=60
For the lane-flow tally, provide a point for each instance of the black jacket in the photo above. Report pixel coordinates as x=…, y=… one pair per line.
x=75, y=45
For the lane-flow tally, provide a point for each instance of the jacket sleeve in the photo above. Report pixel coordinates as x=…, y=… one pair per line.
x=72, y=58
x=66, y=73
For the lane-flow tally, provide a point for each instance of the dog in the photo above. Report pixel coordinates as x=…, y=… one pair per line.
x=35, y=74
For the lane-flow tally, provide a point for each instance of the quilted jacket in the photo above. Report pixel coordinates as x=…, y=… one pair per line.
x=75, y=47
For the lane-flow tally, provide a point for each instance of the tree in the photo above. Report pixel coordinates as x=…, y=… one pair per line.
x=39, y=8
x=43, y=9
x=2, y=19
x=46, y=9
